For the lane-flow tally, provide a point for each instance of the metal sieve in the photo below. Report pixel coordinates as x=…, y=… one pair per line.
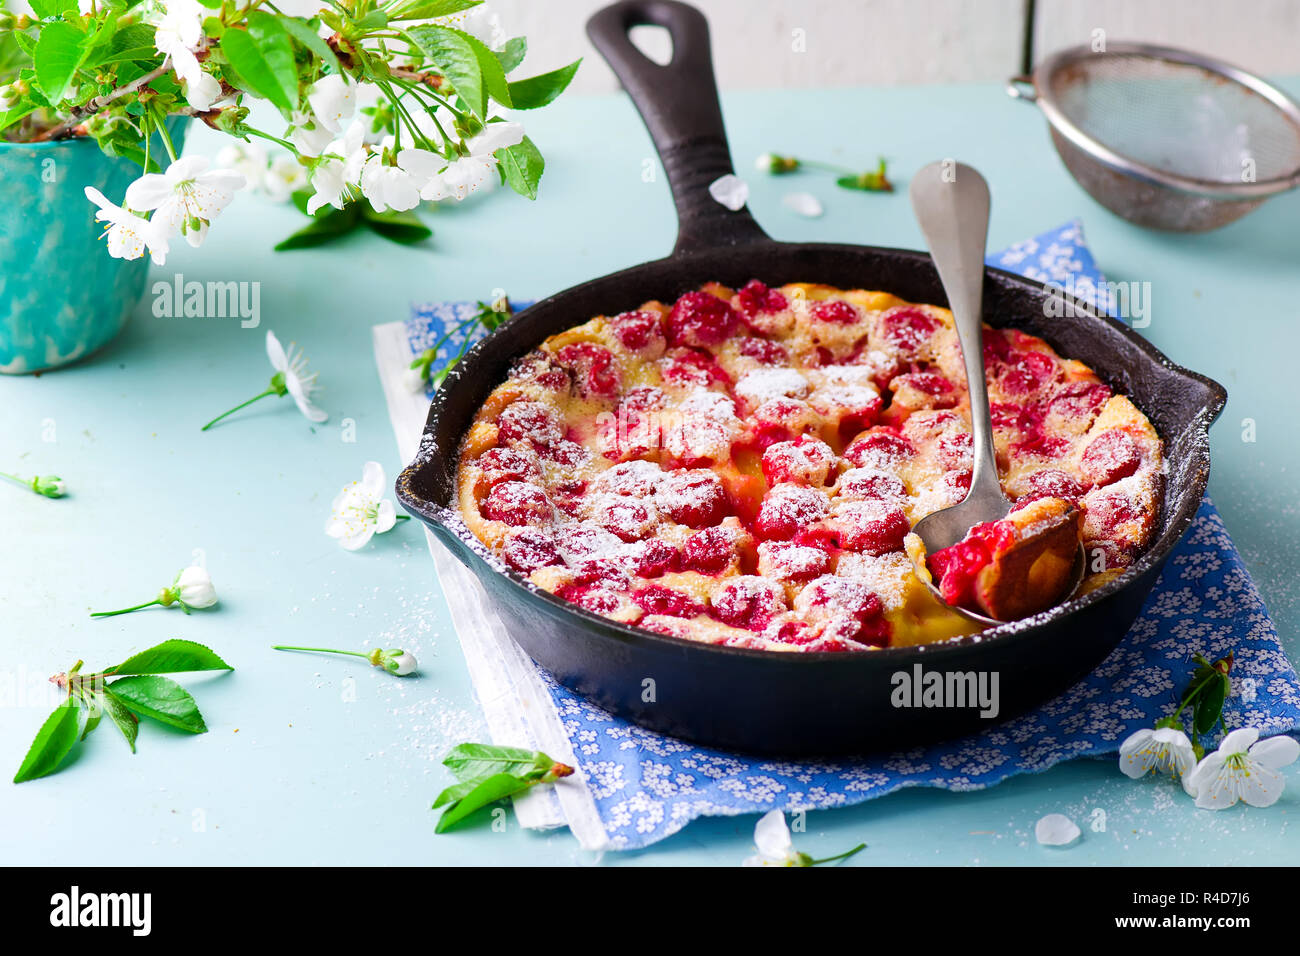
x=1166, y=138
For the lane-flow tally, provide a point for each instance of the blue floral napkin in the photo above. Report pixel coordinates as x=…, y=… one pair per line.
x=646, y=786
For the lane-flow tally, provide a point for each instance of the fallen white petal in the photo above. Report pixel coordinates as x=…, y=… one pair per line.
x=1056, y=829
x=730, y=190
x=805, y=204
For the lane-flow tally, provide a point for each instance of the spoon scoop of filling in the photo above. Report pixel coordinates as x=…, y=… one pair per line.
x=1014, y=567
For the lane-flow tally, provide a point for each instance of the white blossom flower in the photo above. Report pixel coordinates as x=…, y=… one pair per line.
x=247, y=159
x=360, y=510
x=339, y=167
x=308, y=134
x=388, y=187
x=1164, y=749
x=462, y=176
x=128, y=234
x=333, y=100
x=297, y=380
x=481, y=22
x=284, y=177
x=291, y=378
x=1243, y=768
x=178, y=34
x=773, y=842
x=9, y=96
x=202, y=90
x=187, y=197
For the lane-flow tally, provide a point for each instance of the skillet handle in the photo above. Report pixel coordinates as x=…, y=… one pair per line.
x=679, y=104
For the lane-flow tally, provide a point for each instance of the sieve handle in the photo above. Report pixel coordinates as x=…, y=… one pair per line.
x=1022, y=88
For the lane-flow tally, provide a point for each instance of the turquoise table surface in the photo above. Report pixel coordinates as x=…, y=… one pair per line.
x=311, y=760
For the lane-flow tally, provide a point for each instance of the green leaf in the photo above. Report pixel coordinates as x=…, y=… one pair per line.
x=494, y=76
x=92, y=721
x=59, y=54
x=309, y=38
x=263, y=57
x=162, y=699
x=53, y=8
x=485, y=792
x=1209, y=706
x=403, y=227
x=469, y=761
x=451, y=52
x=172, y=657
x=522, y=165
x=126, y=721
x=334, y=224
x=53, y=741
x=537, y=91
x=512, y=54
x=132, y=37
x=374, y=20
x=429, y=9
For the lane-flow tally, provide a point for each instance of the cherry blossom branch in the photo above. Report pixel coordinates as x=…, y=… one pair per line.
x=91, y=107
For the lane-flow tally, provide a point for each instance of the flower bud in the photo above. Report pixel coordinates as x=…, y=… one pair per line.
x=193, y=588
x=51, y=486
x=394, y=660
x=775, y=164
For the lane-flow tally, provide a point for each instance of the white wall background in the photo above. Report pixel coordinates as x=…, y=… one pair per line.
x=887, y=42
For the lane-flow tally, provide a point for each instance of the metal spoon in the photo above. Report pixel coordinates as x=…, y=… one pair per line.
x=951, y=203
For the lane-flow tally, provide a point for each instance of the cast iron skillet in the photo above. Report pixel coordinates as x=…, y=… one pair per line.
x=773, y=703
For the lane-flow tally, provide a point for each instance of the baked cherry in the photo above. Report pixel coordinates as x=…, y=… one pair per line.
x=907, y=330
x=709, y=551
x=594, y=370
x=805, y=459
x=518, y=503
x=763, y=351
x=881, y=447
x=507, y=464
x=529, y=421
x=1110, y=456
x=528, y=549
x=694, y=498
x=788, y=508
x=748, y=602
x=871, y=526
x=1050, y=483
x=700, y=319
x=757, y=299
x=835, y=311
x=657, y=599
x=638, y=331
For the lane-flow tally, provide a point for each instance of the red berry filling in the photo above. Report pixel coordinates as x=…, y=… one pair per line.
x=872, y=527
x=805, y=459
x=1110, y=456
x=693, y=498
x=958, y=565
x=528, y=549
x=757, y=299
x=748, y=602
x=593, y=367
x=835, y=311
x=657, y=599
x=763, y=351
x=907, y=330
x=636, y=331
x=787, y=508
x=709, y=551
x=518, y=503
x=700, y=319
x=881, y=447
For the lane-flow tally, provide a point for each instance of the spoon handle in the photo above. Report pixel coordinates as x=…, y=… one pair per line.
x=951, y=202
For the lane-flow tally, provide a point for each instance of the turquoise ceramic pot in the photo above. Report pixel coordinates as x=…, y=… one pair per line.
x=62, y=296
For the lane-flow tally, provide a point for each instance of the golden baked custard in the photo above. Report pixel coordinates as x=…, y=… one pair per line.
x=741, y=467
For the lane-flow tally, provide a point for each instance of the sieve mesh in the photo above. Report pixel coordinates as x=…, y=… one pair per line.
x=1181, y=118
